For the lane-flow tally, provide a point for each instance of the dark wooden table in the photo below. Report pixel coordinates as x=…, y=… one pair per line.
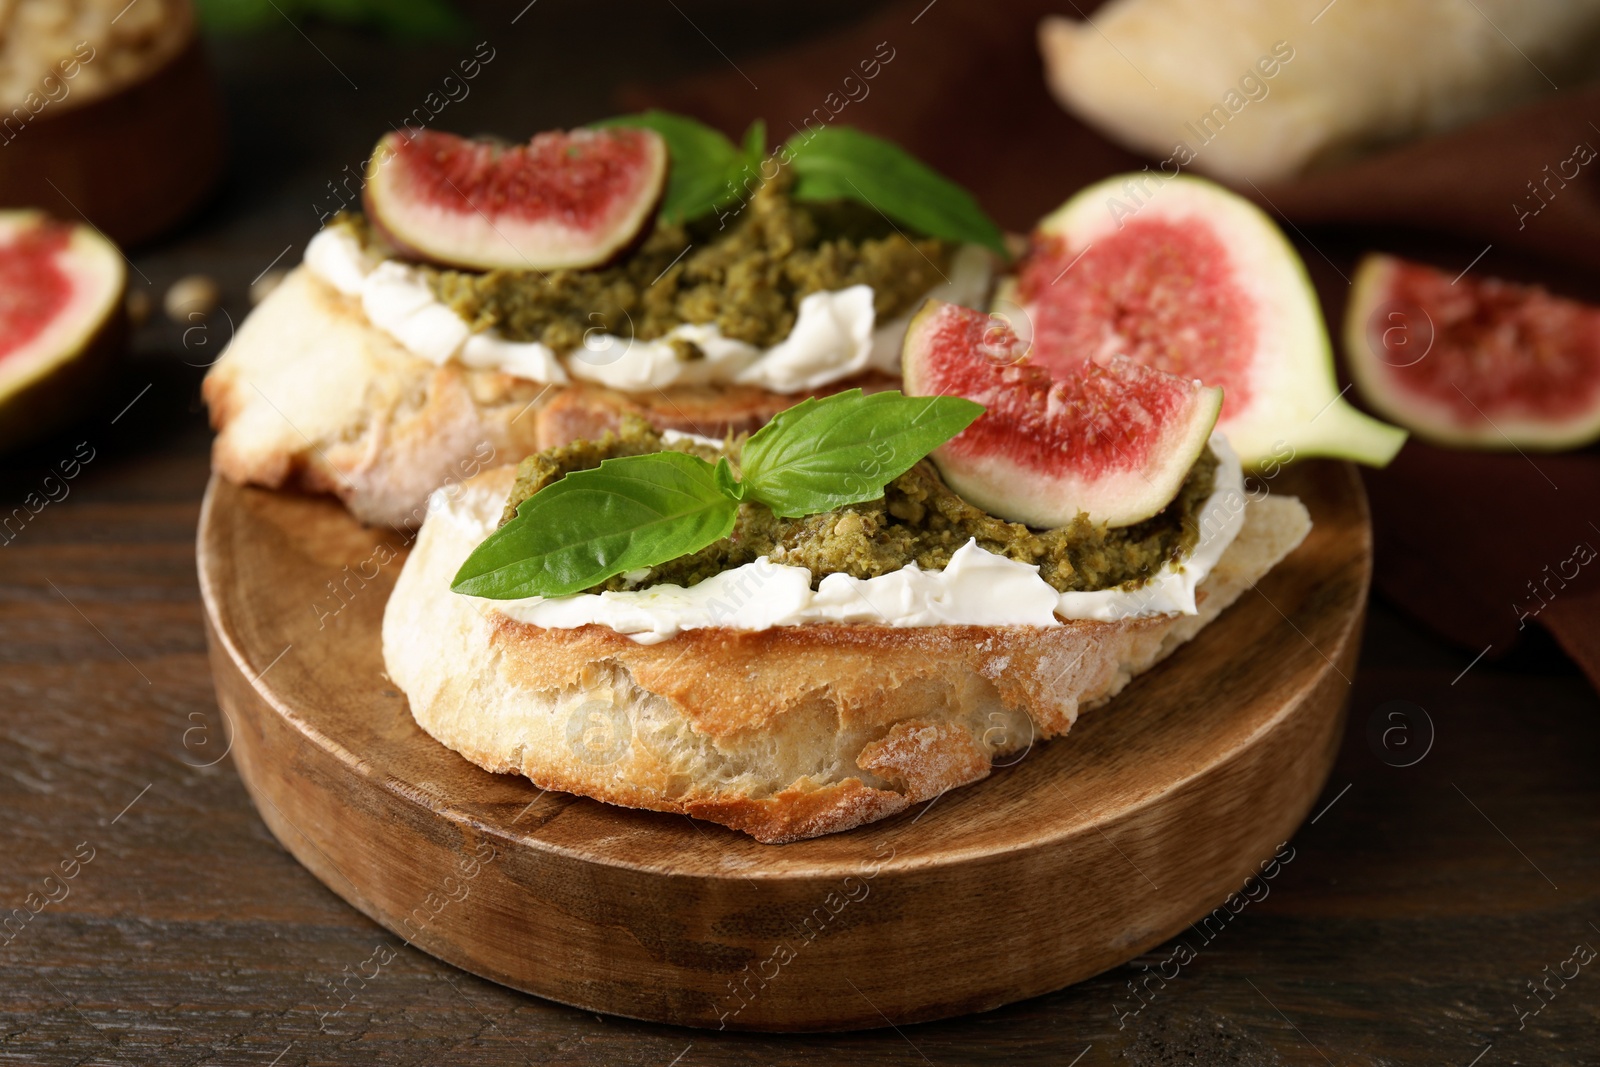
x=1453, y=859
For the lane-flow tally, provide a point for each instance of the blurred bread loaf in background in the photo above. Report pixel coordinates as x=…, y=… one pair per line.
x=1262, y=90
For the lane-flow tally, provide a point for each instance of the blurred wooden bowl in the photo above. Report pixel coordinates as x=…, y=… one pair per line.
x=133, y=161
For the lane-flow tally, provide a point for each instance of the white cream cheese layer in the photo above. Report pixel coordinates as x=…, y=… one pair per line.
x=978, y=588
x=835, y=334
x=397, y=300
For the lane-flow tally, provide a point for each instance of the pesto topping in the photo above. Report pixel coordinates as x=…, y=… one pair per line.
x=919, y=519
x=746, y=274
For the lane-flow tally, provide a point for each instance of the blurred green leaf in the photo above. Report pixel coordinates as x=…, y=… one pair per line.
x=755, y=141
x=400, y=18
x=842, y=163
x=705, y=164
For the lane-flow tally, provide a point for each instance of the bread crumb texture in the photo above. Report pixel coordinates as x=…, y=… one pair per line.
x=784, y=733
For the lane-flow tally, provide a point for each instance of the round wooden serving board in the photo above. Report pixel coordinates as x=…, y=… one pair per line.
x=1084, y=853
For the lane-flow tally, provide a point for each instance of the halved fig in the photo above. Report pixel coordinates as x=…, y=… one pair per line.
x=1109, y=437
x=1481, y=363
x=561, y=200
x=61, y=320
x=1184, y=276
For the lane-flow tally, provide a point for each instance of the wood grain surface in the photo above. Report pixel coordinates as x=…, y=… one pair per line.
x=1421, y=900
x=1093, y=848
x=1403, y=931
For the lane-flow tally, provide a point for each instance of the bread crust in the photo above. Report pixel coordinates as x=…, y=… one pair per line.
x=583, y=411
x=310, y=396
x=783, y=733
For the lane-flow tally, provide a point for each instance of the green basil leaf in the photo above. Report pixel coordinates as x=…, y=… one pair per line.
x=843, y=449
x=703, y=163
x=840, y=163
x=755, y=142
x=733, y=490
x=627, y=513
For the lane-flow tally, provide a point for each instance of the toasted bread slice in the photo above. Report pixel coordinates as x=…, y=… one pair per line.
x=784, y=733
x=311, y=396
x=582, y=411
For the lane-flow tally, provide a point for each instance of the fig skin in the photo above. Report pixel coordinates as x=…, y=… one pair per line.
x=65, y=366
x=73, y=387
x=377, y=207
x=1373, y=294
x=1301, y=411
x=1002, y=464
x=414, y=255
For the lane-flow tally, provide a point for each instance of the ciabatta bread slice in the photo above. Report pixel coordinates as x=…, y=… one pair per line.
x=784, y=733
x=310, y=395
x=584, y=412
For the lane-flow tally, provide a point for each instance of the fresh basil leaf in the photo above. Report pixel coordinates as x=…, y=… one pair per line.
x=641, y=511
x=841, y=163
x=733, y=490
x=703, y=163
x=843, y=449
x=627, y=513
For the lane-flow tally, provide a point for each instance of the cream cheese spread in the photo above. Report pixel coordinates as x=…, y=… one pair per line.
x=977, y=588
x=835, y=334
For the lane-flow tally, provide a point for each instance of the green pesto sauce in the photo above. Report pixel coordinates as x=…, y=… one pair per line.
x=746, y=272
x=918, y=519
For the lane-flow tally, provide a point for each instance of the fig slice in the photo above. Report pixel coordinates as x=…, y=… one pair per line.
x=1473, y=362
x=1111, y=437
x=564, y=199
x=1186, y=277
x=61, y=320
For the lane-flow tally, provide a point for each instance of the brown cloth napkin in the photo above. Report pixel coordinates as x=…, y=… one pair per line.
x=1478, y=545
